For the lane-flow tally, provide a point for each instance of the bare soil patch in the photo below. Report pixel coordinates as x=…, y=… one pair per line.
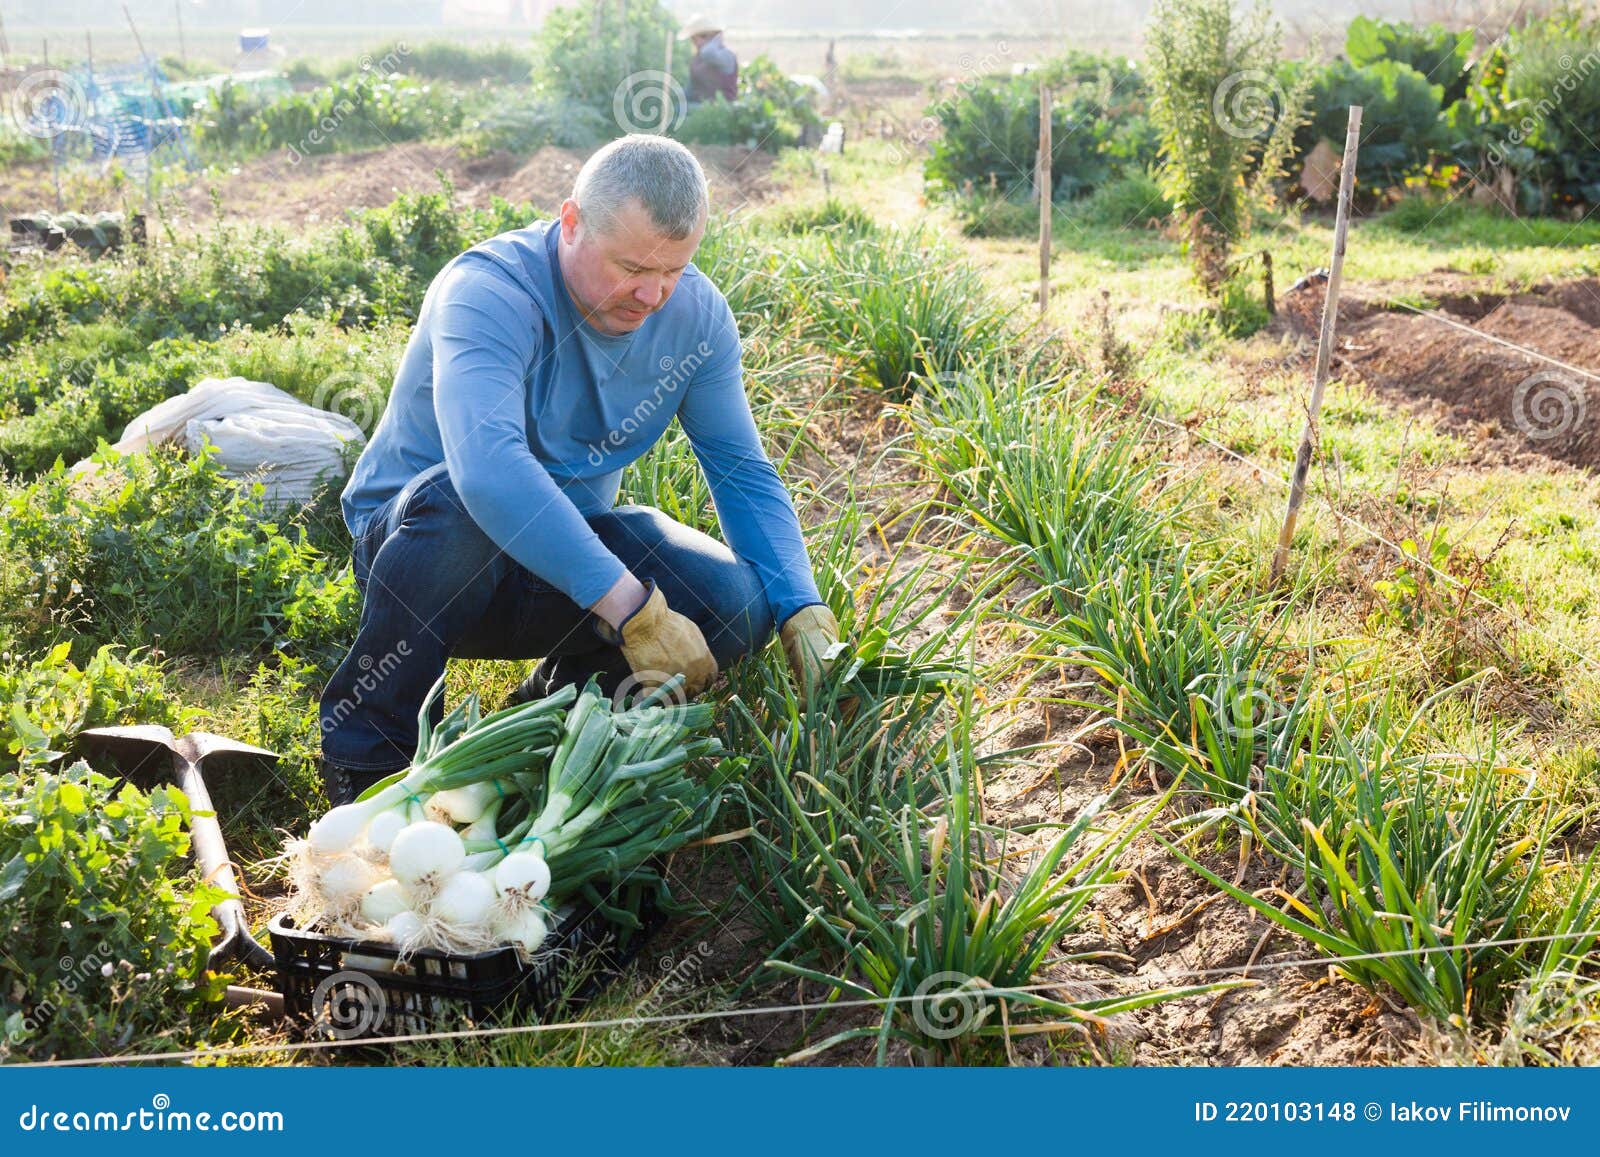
x=1504, y=400
x=276, y=190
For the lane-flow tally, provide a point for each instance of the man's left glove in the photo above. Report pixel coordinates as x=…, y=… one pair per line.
x=807, y=634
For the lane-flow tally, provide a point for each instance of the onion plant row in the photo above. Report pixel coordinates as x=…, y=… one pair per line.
x=1418, y=867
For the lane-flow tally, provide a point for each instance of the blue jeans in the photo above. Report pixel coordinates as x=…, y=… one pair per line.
x=434, y=587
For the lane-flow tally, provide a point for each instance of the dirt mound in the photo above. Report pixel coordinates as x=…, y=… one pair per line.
x=1506, y=401
x=1579, y=298
x=285, y=189
x=274, y=189
x=736, y=176
x=545, y=180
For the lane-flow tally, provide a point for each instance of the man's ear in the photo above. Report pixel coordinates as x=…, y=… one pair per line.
x=569, y=220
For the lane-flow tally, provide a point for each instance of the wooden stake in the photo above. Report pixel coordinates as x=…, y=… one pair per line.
x=1330, y=316
x=55, y=139
x=666, y=87
x=183, y=51
x=1266, y=281
x=1045, y=185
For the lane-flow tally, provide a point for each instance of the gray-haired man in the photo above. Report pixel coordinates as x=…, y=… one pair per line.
x=544, y=361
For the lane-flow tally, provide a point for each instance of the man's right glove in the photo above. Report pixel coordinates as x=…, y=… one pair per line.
x=658, y=643
x=807, y=636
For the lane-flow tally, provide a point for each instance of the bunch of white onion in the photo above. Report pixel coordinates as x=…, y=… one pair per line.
x=460, y=852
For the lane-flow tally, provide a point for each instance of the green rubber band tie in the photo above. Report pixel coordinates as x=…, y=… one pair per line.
x=412, y=796
x=498, y=790
x=501, y=844
x=535, y=840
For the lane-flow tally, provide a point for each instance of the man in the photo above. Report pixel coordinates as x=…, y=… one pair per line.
x=713, y=69
x=543, y=361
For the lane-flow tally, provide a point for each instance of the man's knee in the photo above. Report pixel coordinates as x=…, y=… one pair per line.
x=434, y=524
x=741, y=619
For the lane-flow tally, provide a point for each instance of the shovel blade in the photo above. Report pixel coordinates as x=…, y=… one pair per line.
x=141, y=752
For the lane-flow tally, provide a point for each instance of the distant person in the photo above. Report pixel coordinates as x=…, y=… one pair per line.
x=714, y=68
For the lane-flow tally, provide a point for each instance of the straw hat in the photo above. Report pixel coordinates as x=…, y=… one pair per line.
x=698, y=25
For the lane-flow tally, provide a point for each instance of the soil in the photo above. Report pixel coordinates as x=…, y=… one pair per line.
x=270, y=190
x=1505, y=402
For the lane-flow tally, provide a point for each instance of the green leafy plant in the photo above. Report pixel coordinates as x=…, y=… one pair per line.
x=896, y=308
x=106, y=945
x=1221, y=114
x=52, y=699
x=162, y=549
x=1400, y=123
x=1442, y=55
x=584, y=53
x=990, y=130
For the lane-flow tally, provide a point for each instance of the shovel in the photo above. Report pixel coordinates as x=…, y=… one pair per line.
x=147, y=754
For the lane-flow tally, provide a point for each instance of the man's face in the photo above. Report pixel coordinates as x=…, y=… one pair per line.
x=619, y=277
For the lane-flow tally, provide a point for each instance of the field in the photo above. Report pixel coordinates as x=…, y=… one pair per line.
x=1169, y=814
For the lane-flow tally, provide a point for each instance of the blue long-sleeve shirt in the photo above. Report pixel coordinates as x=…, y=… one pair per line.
x=535, y=413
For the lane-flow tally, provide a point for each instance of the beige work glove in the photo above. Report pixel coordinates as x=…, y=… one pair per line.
x=659, y=643
x=807, y=634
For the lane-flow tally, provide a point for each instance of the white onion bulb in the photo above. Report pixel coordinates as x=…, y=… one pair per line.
x=384, y=901
x=526, y=930
x=404, y=928
x=385, y=826
x=464, y=900
x=425, y=852
x=522, y=876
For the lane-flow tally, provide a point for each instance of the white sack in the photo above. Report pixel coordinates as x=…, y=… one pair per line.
x=256, y=429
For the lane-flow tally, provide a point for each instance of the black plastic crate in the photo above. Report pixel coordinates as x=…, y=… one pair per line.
x=335, y=986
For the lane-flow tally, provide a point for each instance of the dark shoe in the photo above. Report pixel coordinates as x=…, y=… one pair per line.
x=557, y=671
x=536, y=686
x=344, y=784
